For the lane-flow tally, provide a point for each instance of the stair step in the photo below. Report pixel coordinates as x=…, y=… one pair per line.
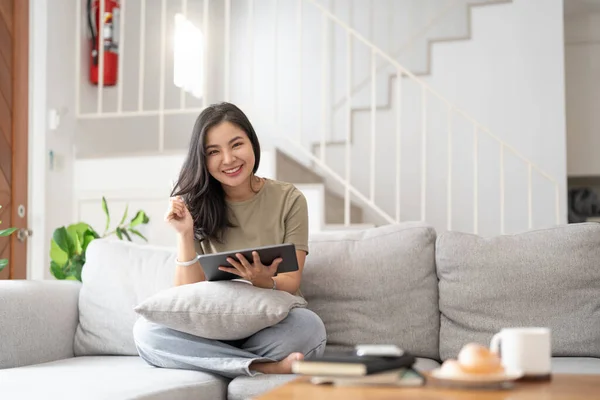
x=290, y=170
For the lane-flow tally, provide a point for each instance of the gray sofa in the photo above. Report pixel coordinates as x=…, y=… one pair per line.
x=400, y=284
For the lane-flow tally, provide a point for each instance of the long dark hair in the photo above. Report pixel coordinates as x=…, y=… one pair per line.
x=203, y=194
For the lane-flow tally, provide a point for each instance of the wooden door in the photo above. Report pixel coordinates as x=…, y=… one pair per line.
x=14, y=65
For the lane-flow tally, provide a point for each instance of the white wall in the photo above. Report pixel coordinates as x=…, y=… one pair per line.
x=582, y=69
x=37, y=244
x=57, y=208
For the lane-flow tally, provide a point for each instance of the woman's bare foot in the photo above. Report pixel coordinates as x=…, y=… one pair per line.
x=277, y=367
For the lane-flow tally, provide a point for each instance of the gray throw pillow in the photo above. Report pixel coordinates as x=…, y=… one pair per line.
x=376, y=286
x=545, y=277
x=224, y=310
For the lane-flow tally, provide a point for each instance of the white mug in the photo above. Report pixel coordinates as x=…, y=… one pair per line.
x=524, y=349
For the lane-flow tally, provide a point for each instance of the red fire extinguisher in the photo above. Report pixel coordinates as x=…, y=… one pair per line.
x=108, y=38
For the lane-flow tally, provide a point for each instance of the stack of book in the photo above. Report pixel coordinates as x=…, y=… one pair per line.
x=349, y=369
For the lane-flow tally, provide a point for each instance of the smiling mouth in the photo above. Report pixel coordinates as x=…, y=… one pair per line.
x=232, y=170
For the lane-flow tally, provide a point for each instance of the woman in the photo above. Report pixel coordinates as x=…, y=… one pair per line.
x=219, y=204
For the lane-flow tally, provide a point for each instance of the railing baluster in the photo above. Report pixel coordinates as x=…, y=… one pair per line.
x=475, y=180
x=121, y=50
x=325, y=103
x=300, y=58
x=251, y=47
x=205, y=34
x=227, y=48
x=100, y=39
x=142, y=59
x=348, y=128
x=398, y=144
x=78, y=35
x=373, y=120
x=502, y=230
x=423, y=152
x=182, y=90
x=275, y=65
x=529, y=196
x=161, y=98
x=449, y=172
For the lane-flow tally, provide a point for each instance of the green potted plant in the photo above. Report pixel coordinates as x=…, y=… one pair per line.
x=68, y=244
x=3, y=233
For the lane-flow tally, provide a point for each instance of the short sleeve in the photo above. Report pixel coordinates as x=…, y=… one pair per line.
x=296, y=222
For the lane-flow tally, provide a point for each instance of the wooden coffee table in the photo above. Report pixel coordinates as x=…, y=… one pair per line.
x=572, y=387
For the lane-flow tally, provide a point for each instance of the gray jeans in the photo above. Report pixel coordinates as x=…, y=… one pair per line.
x=301, y=331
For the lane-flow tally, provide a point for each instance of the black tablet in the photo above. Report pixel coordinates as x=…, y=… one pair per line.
x=211, y=262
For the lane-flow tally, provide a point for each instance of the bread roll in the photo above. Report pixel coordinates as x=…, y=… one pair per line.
x=476, y=359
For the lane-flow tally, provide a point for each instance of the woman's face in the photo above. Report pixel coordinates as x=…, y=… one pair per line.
x=229, y=154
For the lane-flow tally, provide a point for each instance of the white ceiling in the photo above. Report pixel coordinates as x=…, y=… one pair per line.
x=575, y=7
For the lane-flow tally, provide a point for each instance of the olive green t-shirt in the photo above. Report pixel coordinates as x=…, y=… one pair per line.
x=277, y=214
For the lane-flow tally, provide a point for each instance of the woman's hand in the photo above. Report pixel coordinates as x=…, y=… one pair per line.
x=260, y=275
x=179, y=217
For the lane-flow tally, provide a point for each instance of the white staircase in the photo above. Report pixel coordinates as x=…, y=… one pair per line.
x=407, y=139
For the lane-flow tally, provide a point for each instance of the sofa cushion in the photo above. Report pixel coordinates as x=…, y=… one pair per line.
x=246, y=387
x=219, y=310
x=108, y=377
x=376, y=286
x=548, y=277
x=117, y=276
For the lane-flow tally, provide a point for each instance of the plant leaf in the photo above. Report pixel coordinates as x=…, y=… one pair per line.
x=88, y=236
x=119, y=234
x=126, y=234
x=77, y=244
x=77, y=232
x=76, y=267
x=64, y=241
x=57, y=255
x=57, y=270
x=6, y=232
x=96, y=235
x=124, y=215
x=137, y=233
x=78, y=229
x=140, y=218
x=105, y=208
x=3, y=263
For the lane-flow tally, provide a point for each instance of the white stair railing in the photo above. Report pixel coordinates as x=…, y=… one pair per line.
x=451, y=109
x=322, y=161
x=412, y=41
x=409, y=43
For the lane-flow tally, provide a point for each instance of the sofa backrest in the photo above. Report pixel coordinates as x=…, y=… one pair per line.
x=373, y=286
x=376, y=286
x=548, y=277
